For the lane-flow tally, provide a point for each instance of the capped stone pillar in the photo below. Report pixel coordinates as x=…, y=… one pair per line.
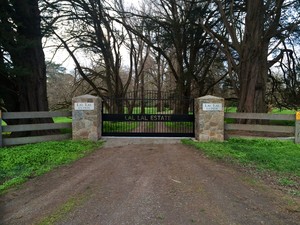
x=86, y=118
x=209, y=118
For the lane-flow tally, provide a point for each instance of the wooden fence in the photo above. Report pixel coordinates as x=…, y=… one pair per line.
x=7, y=141
x=263, y=128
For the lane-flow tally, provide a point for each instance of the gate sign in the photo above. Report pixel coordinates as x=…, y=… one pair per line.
x=212, y=106
x=84, y=106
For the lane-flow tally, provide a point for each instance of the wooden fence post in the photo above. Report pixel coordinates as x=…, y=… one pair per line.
x=1, y=141
x=297, y=128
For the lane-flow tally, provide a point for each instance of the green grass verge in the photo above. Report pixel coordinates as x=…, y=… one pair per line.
x=18, y=164
x=62, y=211
x=282, y=157
x=274, y=160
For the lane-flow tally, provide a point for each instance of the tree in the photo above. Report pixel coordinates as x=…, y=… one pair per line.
x=22, y=63
x=25, y=73
x=173, y=32
x=61, y=87
x=249, y=34
x=138, y=57
x=89, y=27
x=284, y=83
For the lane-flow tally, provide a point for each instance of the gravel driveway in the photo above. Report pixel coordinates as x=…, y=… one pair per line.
x=158, y=182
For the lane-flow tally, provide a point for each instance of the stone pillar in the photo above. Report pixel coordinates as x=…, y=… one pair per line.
x=86, y=118
x=209, y=118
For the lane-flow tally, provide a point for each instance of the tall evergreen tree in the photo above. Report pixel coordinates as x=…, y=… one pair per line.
x=23, y=70
x=254, y=32
x=22, y=61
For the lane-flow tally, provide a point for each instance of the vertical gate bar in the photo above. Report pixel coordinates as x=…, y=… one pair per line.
x=123, y=103
x=160, y=129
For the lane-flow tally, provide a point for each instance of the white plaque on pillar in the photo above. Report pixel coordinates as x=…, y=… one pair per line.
x=84, y=106
x=212, y=106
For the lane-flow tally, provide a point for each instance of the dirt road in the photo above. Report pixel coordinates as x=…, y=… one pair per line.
x=147, y=184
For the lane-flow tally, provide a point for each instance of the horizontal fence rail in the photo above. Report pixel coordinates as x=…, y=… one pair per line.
x=34, y=115
x=264, y=128
x=35, y=127
x=7, y=141
x=260, y=116
x=260, y=128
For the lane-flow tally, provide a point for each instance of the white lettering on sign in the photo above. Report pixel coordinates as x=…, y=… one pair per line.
x=84, y=106
x=212, y=106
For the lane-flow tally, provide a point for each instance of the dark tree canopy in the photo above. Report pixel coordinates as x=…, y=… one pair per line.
x=251, y=35
x=23, y=70
x=22, y=62
x=201, y=45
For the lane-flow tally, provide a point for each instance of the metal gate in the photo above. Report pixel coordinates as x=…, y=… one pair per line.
x=150, y=115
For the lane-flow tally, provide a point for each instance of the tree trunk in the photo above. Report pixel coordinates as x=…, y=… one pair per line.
x=253, y=76
x=29, y=61
x=159, y=105
x=183, y=94
x=253, y=61
x=143, y=105
x=29, y=57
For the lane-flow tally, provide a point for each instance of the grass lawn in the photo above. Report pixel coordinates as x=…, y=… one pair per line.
x=280, y=157
x=274, y=111
x=107, y=125
x=111, y=126
x=179, y=124
x=230, y=109
x=62, y=120
x=19, y=163
x=137, y=110
x=283, y=111
x=55, y=119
